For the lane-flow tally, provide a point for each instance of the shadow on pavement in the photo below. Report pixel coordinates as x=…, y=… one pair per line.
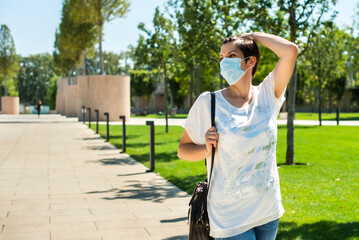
x=174, y=220
x=117, y=161
x=90, y=138
x=155, y=193
x=101, y=148
x=131, y=174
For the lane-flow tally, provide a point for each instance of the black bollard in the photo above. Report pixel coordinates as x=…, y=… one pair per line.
x=83, y=113
x=96, y=111
x=89, y=110
x=152, y=145
x=123, y=133
x=338, y=115
x=108, y=128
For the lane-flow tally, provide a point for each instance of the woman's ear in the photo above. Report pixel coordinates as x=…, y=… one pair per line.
x=253, y=60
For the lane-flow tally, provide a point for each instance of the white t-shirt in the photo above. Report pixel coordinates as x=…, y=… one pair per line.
x=244, y=191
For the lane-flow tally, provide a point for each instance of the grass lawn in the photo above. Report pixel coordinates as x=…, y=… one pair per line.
x=298, y=116
x=327, y=116
x=160, y=116
x=320, y=195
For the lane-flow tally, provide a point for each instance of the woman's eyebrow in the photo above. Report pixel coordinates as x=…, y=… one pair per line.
x=233, y=50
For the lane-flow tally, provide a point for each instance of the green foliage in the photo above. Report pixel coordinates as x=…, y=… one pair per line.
x=267, y=62
x=199, y=43
x=72, y=40
x=326, y=60
x=63, y=61
x=8, y=63
x=12, y=87
x=7, y=50
x=352, y=56
x=52, y=91
x=97, y=12
x=156, y=50
x=34, y=77
x=116, y=64
x=143, y=82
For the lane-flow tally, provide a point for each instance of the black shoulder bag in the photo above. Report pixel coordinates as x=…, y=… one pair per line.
x=197, y=213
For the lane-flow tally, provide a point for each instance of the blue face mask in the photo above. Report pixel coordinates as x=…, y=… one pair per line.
x=231, y=69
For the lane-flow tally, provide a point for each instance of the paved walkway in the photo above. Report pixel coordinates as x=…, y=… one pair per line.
x=158, y=121
x=59, y=180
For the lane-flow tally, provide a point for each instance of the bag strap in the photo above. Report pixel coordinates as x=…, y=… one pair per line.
x=213, y=123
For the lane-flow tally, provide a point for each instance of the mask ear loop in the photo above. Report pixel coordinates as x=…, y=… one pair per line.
x=249, y=67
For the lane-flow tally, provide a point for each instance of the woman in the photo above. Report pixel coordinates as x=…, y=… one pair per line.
x=244, y=199
x=38, y=108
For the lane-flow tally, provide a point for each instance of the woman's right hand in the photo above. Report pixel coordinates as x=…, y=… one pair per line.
x=211, y=138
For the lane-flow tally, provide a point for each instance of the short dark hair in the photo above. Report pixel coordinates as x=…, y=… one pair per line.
x=248, y=46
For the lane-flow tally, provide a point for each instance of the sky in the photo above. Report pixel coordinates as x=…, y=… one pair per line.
x=33, y=23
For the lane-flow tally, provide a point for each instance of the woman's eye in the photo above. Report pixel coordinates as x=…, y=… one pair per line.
x=232, y=55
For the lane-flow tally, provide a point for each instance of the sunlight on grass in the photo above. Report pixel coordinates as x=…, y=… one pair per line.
x=320, y=195
x=298, y=116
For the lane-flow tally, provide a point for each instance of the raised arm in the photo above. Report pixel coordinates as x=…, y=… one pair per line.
x=287, y=53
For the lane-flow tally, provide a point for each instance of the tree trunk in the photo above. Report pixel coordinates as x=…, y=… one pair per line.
x=100, y=48
x=191, y=87
x=198, y=81
x=290, y=117
x=84, y=63
x=166, y=100
x=171, y=101
x=320, y=101
x=338, y=113
x=154, y=93
x=77, y=70
x=1, y=96
x=5, y=85
x=291, y=92
x=330, y=94
x=284, y=107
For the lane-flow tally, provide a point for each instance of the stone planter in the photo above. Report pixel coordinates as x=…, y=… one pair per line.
x=10, y=105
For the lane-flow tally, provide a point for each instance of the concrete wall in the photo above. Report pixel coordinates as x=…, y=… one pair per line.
x=106, y=93
x=10, y=105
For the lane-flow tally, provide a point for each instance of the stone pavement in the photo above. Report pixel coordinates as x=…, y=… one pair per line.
x=158, y=121
x=59, y=180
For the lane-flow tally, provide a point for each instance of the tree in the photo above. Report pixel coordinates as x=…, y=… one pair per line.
x=116, y=64
x=353, y=51
x=73, y=38
x=34, y=78
x=63, y=59
x=143, y=82
x=301, y=24
x=7, y=54
x=98, y=12
x=199, y=41
x=161, y=46
x=325, y=53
